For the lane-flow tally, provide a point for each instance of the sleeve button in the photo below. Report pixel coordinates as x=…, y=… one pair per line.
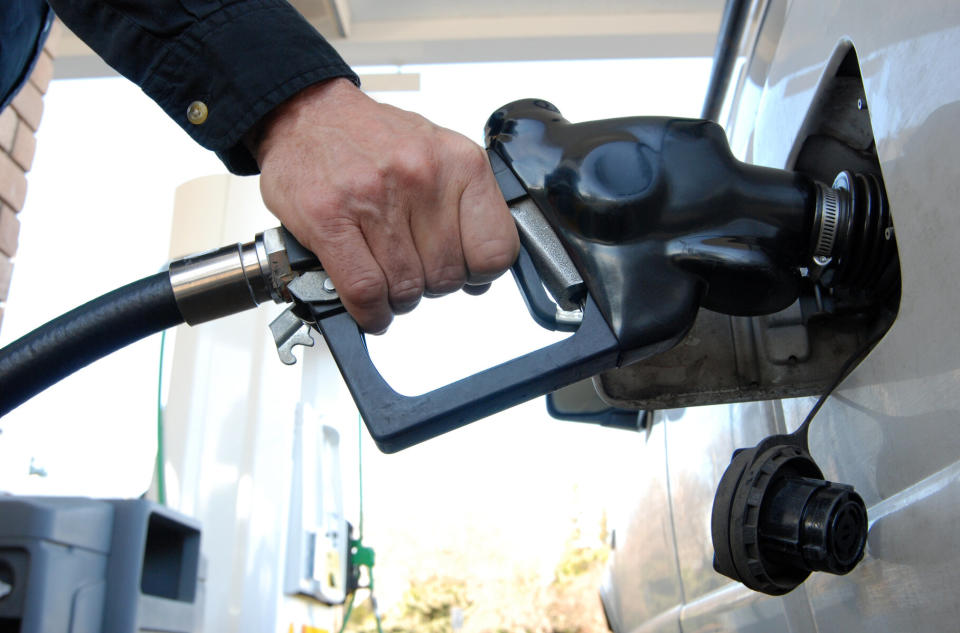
x=197, y=112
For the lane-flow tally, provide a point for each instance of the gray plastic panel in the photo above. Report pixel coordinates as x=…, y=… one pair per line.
x=66, y=520
x=76, y=565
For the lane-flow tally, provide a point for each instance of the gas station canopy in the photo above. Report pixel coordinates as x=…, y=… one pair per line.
x=376, y=32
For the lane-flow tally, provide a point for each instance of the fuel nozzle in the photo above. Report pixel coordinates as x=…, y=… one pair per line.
x=662, y=220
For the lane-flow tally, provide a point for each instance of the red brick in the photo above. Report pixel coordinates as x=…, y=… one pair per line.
x=24, y=147
x=9, y=231
x=8, y=128
x=42, y=72
x=6, y=271
x=13, y=184
x=29, y=105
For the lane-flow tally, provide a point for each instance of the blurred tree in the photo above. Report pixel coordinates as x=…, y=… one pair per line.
x=514, y=601
x=574, y=605
x=426, y=607
x=582, y=555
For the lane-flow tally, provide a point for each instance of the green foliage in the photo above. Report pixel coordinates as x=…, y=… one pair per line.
x=427, y=605
x=523, y=602
x=582, y=556
x=578, y=561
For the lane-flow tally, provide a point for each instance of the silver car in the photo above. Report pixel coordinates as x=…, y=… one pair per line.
x=815, y=87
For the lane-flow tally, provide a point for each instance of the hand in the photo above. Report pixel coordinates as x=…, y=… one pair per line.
x=394, y=206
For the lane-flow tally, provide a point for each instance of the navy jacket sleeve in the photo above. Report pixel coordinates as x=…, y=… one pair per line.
x=24, y=25
x=240, y=58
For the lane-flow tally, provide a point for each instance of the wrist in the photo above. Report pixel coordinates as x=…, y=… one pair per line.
x=320, y=96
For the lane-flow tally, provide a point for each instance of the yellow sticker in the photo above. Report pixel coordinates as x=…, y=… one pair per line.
x=333, y=569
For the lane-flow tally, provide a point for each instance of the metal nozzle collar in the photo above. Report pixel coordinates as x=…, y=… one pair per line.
x=231, y=279
x=828, y=219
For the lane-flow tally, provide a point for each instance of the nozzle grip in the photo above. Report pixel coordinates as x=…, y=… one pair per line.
x=396, y=421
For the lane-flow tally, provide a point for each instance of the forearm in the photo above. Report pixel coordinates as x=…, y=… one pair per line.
x=239, y=58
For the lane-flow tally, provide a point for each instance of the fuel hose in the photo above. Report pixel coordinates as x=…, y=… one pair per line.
x=75, y=339
x=196, y=288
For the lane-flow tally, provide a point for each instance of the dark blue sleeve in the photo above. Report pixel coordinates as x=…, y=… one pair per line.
x=240, y=58
x=23, y=28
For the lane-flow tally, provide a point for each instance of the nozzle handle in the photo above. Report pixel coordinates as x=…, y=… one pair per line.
x=396, y=421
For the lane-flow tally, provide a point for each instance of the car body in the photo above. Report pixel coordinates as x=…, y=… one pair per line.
x=891, y=429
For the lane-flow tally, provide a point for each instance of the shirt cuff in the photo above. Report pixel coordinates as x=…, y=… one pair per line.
x=233, y=67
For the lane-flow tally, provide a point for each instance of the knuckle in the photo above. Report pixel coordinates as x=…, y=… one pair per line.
x=458, y=153
x=473, y=158
x=414, y=164
x=366, y=291
x=446, y=278
x=370, y=185
x=406, y=293
x=329, y=227
x=492, y=256
x=345, y=209
x=318, y=205
x=478, y=157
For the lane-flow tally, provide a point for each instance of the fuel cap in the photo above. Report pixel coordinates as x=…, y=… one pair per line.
x=775, y=519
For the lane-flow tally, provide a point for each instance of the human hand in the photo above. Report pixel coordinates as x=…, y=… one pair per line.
x=394, y=206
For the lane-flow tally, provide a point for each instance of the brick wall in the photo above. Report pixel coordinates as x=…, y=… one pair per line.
x=18, y=127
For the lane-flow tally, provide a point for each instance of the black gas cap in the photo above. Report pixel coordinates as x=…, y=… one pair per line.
x=775, y=519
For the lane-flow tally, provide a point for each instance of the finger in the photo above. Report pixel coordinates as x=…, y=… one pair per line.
x=432, y=201
x=355, y=273
x=436, y=233
x=476, y=290
x=488, y=235
x=392, y=246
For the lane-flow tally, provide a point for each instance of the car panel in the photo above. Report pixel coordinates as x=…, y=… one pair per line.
x=891, y=429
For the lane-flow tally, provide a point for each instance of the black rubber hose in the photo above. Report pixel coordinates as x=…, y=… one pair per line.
x=75, y=339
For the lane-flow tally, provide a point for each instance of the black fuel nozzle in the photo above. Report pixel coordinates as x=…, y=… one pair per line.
x=661, y=219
